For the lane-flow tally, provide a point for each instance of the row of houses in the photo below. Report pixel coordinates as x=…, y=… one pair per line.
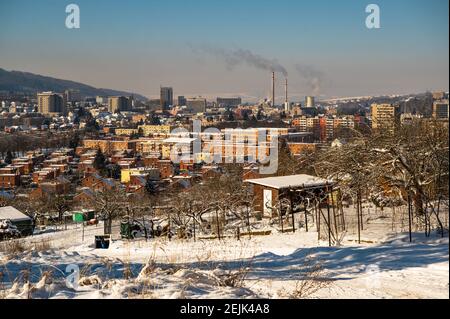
x=35, y=168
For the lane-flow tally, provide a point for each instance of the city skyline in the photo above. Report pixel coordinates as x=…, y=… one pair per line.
x=324, y=47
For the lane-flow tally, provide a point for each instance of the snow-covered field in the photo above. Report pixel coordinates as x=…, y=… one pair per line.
x=385, y=265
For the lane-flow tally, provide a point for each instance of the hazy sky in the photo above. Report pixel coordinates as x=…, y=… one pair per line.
x=208, y=47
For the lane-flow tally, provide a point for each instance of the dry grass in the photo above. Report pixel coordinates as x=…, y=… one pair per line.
x=234, y=278
x=42, y=245
x=314, y=279
x=13, y=248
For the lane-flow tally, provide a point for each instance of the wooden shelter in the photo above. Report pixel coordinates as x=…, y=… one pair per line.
x=300, y=199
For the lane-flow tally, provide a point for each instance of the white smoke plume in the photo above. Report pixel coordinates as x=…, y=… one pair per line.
x=233, y=58
x=313, y=77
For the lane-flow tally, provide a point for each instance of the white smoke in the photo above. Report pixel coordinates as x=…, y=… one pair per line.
x=234, y=58
x=314, y=78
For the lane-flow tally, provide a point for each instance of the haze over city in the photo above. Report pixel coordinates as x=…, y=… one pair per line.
x=215, y=49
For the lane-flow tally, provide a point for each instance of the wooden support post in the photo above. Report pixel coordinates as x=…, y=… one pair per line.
x=409, y=217
x=293, y=221
x=291, y=207
x=334, y=213
x=318, y=220
x=194, y=230
x=315, y=214
x=359, y=222
x=218, y=226
x=281, y=216
x=168, y=229
x=361, y=211
x=341, y=207
x=306, y=217
x=329, y=224
x=248, y=222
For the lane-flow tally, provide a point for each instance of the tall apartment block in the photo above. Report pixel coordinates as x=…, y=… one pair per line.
x=440, y=110
x=51, y=103
x=383, y=116
x=119, y=104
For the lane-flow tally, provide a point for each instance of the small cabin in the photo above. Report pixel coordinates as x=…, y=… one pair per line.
x=269, y=191
x=23, y=222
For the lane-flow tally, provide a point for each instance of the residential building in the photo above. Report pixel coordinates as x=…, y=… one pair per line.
x=440, y=110
x=383, y=116
x=196, y=104
x=228, y=101
x=119, y=104
x=154, y=129
x=72, y=96
x=51, y=103
x=9, y=177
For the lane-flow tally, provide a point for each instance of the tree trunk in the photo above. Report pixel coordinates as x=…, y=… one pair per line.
x=194, y=231
x=107, y=226
x=329, y=222
x=409, y=217
x=359, y=221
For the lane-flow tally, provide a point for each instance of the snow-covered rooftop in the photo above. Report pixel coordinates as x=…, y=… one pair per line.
x=281, y=182
x=12, y=214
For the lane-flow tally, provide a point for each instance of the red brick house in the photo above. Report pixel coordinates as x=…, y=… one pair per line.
x=98, y=183
x=165, y=168
x=9, y=177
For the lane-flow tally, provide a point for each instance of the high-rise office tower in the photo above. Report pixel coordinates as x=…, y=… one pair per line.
x=166, y=97
x=181, y=100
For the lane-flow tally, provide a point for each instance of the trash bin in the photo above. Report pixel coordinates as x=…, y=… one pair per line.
x=102, y=242
x=125, y=230
x=259, y=216
x=89, y=215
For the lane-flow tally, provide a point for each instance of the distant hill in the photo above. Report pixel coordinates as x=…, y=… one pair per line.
x=17, y=81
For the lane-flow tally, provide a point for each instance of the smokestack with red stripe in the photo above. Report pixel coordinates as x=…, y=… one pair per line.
x=287, y=107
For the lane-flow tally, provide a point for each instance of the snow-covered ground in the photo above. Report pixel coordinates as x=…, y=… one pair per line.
x=385, y=265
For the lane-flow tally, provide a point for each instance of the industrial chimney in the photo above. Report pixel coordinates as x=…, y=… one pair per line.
x=273, y=89
x=286, y=90
x=286, y=100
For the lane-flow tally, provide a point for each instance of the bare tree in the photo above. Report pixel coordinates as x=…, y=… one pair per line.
x=110, y=204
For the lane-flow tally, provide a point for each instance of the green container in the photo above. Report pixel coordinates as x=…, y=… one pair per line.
x=78, y=217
